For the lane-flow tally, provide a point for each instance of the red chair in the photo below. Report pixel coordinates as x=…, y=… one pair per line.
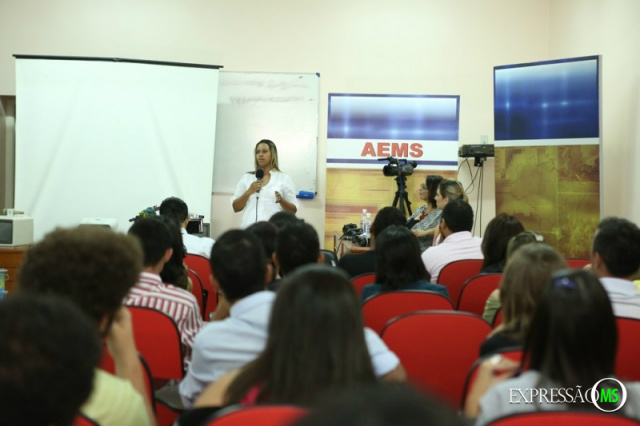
x=359, y=281
x=476, y=291
x=381, y=308
x=577, y=263
x=437, y=348
x=199, y=292
x=497, y=320
x=628, y=352
x=158, y=340
x=264, y=415
x=455, y=274
x=201, y=266
x=565, y=418
x=512, y=354
x=82, y=420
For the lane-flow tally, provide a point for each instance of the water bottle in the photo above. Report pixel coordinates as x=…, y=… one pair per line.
x=367, y=230
x=363, y=221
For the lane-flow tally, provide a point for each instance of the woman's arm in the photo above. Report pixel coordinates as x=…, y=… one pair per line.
x=240, y=202
x=214, y=394
x=288, y=197
x=494, y=370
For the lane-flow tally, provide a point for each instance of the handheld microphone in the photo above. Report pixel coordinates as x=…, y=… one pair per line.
x=259, y=176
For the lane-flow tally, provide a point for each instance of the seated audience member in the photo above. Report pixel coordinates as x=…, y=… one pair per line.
x=315, y=344
x=267, y=233
x=448, y=190
x=525, y=278
x=499, y=231
x=95, y=268
x=362, y=263
x=398, y=264
x=615, y=259
x=379, y=404
x=49, y=350
x=571, y=345
x=282, y=218
x=176, y=209
x=297, y=244
x=458, y=244
x=493, y=301
x=424, y=221
x=239, y=271
x=174, y=272
x=154, y=235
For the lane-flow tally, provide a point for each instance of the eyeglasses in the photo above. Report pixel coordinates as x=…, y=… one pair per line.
x=565, y=282
x=422, y=188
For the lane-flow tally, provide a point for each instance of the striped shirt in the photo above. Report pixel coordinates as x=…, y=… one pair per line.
x=179, y=304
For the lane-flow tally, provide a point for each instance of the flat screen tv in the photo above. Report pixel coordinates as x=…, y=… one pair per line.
x=547, y=100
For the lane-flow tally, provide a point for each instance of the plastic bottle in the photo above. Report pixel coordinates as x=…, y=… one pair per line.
x=367, y=230
x=363, y=221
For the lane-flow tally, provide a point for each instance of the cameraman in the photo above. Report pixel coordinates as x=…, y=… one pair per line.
x=363, y=263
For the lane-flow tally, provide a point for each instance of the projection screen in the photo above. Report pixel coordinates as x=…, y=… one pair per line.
x=107, y=138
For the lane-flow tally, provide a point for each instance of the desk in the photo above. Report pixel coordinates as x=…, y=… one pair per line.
x=10, y=259
x=342, y=247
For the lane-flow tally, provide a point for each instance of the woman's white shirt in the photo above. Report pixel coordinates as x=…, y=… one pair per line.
x=261, y=206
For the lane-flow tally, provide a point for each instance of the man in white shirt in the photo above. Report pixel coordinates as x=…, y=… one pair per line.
x=615, y=258
x=239, y=330
x=458, y=244
x=176, y=209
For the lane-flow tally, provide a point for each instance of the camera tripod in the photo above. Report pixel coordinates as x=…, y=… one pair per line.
x=401, y=197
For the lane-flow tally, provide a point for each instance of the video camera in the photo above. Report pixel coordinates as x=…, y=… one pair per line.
x=398, y=167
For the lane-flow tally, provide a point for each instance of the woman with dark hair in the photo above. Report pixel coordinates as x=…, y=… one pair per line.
x=499, y=231
x=398, y=264
x=571, y=345
x=174, y=271
x=424, y=221
x=525, y=278
x=266, y=191
x=316, y=344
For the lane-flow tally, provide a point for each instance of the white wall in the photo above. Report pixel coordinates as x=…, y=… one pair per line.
x=365, y=46
x=610, y=28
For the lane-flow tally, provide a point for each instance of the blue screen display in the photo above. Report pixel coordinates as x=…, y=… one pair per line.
x=547, y=100
x=393, y=117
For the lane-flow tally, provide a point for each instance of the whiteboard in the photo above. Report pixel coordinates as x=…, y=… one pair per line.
x=283, y=107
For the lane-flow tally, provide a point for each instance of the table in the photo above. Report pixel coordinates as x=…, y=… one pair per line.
x=10, y=259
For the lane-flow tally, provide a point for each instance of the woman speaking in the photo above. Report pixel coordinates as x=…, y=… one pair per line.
x=267, y=190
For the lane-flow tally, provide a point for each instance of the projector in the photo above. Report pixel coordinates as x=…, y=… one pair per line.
x=103, y=222
x=471, y=151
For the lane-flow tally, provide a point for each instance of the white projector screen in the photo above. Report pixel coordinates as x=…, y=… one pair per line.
x=108, y=138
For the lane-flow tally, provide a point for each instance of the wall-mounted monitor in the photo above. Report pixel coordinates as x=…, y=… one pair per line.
x=547, y=100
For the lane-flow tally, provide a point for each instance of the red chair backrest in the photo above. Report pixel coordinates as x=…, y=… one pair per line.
x=158, y=340
x=378, y=310
x=201, y=266
x=456, y=273
x=497, y=320
x=199, y=292
x=513, y=354
x=577, y=263
x=476, y=291
x=264, y=415
x=565, y=418
x=628, y=353
x=359, y=281
x=82, y=420
x=437, y=348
